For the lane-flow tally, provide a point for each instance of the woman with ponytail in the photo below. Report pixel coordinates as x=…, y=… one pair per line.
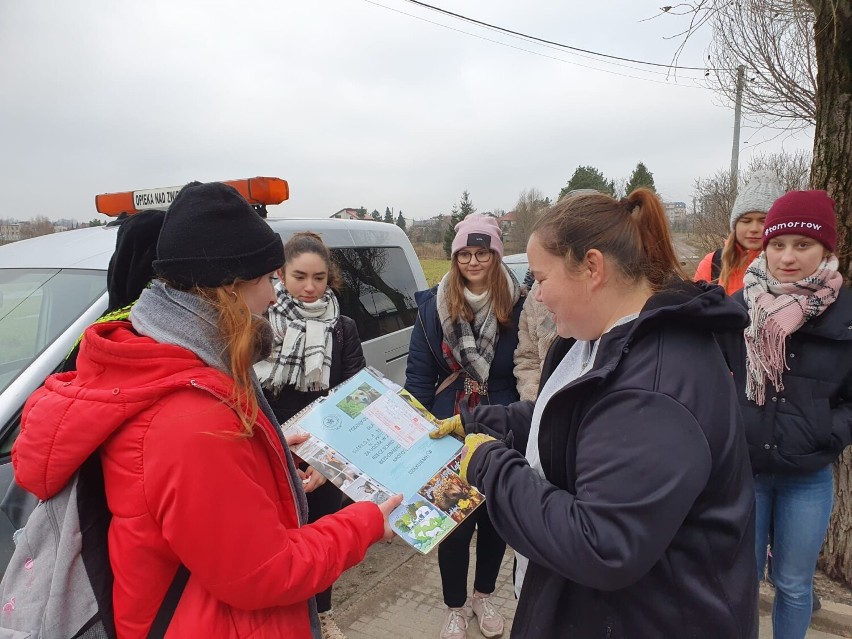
x=205, y=498
x=793, y=371
x=315, y=348
x=625, y=488
x=727, y=265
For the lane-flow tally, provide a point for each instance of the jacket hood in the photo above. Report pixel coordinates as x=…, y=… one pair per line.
x=698, y=305
x=119, y=374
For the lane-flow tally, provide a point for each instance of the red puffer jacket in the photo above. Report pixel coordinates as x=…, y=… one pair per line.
x=184, y=486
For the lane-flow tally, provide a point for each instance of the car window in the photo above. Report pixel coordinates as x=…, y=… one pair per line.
x=378, y=289
x=36, y=306
x=519, y=269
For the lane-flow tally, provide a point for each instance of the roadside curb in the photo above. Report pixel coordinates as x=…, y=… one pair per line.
x=833, y=618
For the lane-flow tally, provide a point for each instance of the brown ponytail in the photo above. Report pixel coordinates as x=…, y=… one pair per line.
x=650, y=218
x=634, y=232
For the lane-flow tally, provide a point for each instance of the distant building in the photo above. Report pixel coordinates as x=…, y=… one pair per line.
x=675, y=211
x=441, y=221
x=349, y=214
x=430, y=230
x=10, y=232
x=506, y=222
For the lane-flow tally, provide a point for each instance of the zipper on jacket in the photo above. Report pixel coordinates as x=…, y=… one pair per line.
x=438, y=360
x=281, y=460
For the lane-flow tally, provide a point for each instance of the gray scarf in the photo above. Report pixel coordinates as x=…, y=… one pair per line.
x=172, y=316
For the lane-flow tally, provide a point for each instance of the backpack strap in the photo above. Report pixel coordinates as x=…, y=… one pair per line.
x=716, y=265
x=169, y=605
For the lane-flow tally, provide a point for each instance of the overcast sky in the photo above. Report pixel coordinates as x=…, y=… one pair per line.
x=353, y=103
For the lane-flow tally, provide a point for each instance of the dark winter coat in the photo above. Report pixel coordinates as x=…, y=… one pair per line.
x=644, y=527
x=427, y=368
x=347, y=358
x=807, y=425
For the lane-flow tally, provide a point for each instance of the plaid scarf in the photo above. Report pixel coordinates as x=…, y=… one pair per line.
x=301, y=351
x=472, y=344
x=777, y=311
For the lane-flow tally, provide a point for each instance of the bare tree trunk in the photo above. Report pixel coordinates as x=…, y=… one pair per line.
x=832, y=161
x=832, y=171
x=836, y=558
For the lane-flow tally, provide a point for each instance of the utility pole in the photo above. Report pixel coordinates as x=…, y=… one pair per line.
x=738, y=110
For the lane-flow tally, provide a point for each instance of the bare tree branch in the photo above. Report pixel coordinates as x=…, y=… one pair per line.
x=774, y=41
x=714, y=196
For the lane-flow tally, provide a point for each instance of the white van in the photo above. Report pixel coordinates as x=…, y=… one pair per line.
x=52, y=287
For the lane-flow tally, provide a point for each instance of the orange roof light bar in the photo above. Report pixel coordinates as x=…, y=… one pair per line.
x=257, y=190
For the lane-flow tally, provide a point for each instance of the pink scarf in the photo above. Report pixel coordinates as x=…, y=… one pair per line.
x=777, y=311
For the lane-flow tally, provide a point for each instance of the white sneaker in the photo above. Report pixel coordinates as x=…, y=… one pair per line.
x=329, y=628
x=490, y=620
x=456, y=626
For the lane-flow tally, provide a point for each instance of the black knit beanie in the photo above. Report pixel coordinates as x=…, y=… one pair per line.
x=212, y=237
x=131, y=265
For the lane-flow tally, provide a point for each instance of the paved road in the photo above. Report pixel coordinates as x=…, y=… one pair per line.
x=688, y=255
x=396, y=593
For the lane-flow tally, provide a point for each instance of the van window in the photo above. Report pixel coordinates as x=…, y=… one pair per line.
x=378, y=289
x=36, y=306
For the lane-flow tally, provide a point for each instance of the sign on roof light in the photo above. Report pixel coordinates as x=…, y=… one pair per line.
x=155, y=198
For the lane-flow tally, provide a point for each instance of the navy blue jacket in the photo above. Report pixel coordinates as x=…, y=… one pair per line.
x=806, y=426
x=427, y=368
x=644, y=525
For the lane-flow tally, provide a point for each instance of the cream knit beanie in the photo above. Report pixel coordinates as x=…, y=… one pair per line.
x=758, y=194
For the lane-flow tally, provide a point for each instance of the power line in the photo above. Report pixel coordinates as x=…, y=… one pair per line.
x=580, y=55
x=557, y=44
x=543, y=55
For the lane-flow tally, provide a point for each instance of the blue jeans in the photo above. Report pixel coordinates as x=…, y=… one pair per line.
x=799, y=507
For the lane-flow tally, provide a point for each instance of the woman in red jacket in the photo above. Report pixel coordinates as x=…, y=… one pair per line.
x=195, y=467
x=727, y=265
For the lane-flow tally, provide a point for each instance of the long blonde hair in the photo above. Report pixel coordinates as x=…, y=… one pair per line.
x=733, y=260
x=497, y=285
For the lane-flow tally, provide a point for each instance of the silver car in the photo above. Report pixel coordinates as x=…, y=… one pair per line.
x=519, y=265
x=52, y=287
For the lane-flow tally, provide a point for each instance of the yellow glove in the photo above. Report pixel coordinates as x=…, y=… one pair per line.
x=450, y=426
x=471, y=443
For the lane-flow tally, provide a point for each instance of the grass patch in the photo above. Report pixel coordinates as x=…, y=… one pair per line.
x=434, y=269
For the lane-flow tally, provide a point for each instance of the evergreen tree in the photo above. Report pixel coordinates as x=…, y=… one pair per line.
x=464, y=208
x=587, y=177
x=641, y=176
x=376, y=215
x=361, y=213
x=450, y=233
x=400, y=221
x=388, y=215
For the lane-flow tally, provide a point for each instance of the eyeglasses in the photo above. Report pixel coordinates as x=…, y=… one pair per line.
x=483, y=256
